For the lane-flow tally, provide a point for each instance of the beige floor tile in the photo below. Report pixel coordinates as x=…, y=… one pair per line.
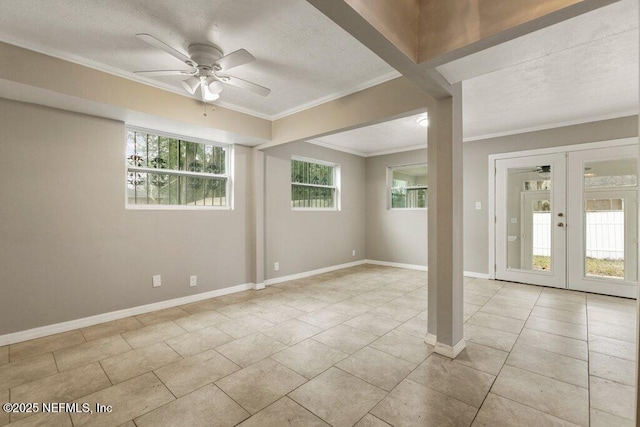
x=309, y=358
x=501, y=323
x=350, y=307
x=552, y=365
x=194, y=372
x=338, y=397
x=129, y=400
x=208, y=406
x=45, y=420
x=371, y=421
x=93, y=351
x=554, y=343
x=561, y=304
x=497, y=411
x=242, y=309
x=395, y=312
x=63, y=387
x=612, y=368
x=489, y=337
x=259, y=385
x=453, y=379
x=243, y=326
x=202, y=306
x=404, y=346
x=345, y=338
x=376, y=367
x=250, y=349
x=469, y=310
x=478, y=290
x=43, y=345
x=545, y=394
x=284, y=412
x=292, y=331
x=201, y=320
x=614, y=315
x=153, y=334
x=279, y=314
x=603, y=419
x=25, y=371
x=199, y=341
x=623, y=333
x=308, y=304
x=161, y=316
x=411, y=404
x=613, y=398
x=378, y=297
x=482, y=358
x=114, y=327
x=564, y=295
x=476, y=299
x=324, y=318
x=506, y=310
x=612, y=347
x=409, y=301
x=131, y=364
x=4, y=355
x=512, y=301
x=564, y=329
x=416, y=326
x=561, y=315
x=372, y=324
x=4, y=416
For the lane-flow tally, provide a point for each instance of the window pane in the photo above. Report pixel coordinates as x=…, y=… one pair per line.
x=409, y=186
x=311, y=197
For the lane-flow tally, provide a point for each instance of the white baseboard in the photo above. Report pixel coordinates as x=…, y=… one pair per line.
x=259, y=286
x=70, y=325
x=397, y=264
x=313, y=272
x=431, y=339
x=476, y=275
x=448, y=351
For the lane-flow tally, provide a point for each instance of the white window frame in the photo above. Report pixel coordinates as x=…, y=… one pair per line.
x=229, y=163
x=390, y=186
x=336, y=184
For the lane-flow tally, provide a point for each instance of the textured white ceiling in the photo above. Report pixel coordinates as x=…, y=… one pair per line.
x=301, y=55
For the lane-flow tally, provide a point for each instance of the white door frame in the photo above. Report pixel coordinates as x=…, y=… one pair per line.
x=492, y=181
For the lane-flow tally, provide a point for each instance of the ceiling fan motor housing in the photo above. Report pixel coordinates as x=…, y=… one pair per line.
x=204, y=54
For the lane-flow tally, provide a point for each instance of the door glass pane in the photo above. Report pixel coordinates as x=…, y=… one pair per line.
x=609, y=189
x=529, y=218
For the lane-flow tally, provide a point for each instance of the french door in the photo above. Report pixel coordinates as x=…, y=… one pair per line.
x=569, y=220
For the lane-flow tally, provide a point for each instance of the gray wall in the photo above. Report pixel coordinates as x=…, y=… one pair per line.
x=476, y=178
x=308, y=240
x=68, y=247
x=393, y=235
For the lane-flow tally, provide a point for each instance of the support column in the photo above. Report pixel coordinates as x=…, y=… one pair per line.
x=259, y=215
x=444, y=157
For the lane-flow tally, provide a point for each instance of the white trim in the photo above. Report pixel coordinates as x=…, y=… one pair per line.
x=260, y=286
x=448, y=351
x=281, y=279
x=70, y=325
x=552, y=126
x=321, y=143
x=397, y=150
x=431, y=339
x=476, y=275
x=398, y=265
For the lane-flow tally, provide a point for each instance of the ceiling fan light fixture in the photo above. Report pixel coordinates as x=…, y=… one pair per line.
x=215, y=86
x=423, y=121
x=207, y=95
x=191, y=84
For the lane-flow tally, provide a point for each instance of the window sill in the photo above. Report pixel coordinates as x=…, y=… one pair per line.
x=176, y=208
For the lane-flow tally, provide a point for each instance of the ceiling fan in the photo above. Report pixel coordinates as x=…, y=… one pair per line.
x=543, y=171
x=208, y=68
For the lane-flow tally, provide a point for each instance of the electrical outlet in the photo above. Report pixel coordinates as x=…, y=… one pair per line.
x=193, y=281
x=478, y=205
x=353, y=252
x=276, y=266
x=157, y=281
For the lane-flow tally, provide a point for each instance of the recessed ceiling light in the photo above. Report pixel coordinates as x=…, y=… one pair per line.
x=423, y=121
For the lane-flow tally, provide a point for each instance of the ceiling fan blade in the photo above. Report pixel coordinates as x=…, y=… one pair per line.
x=239, y=57
x=234, y=81
x=163, y=46
x=164, y=73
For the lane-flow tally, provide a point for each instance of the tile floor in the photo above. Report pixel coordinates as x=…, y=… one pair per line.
x=342, y=348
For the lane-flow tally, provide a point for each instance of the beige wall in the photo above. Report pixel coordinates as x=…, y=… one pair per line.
x=308, y=240
x=476, y=178
x=393, y=235
x=68, y=247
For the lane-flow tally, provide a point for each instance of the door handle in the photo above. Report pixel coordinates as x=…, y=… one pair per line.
x=560, y=224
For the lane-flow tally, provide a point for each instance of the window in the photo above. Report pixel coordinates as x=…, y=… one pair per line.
x=408, y=186
x=314, y=184
x=166, y=170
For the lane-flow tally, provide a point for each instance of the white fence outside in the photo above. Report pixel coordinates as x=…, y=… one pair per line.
x=604, y=232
